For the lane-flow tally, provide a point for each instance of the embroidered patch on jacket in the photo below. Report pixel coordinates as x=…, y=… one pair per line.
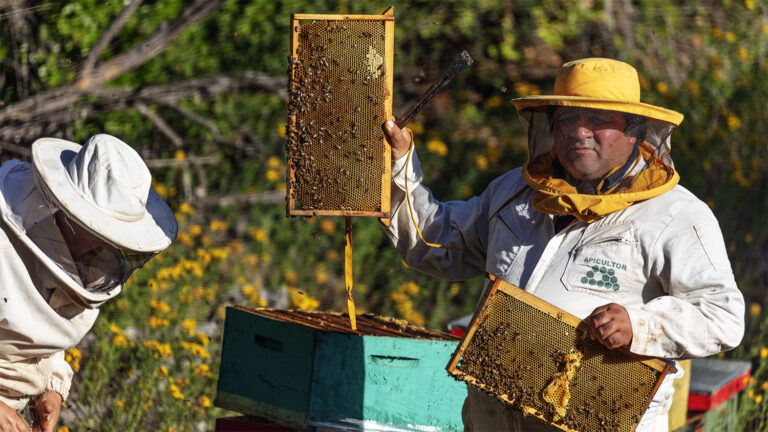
x=602, y=274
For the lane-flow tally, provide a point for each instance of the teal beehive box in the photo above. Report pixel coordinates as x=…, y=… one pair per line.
x=303, y=369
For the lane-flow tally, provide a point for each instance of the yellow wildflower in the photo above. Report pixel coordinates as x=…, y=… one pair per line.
x=327, y=226
x=410, y=288
x=662, y=88
x=273, y=175
x=185, y=239
x=161, y=349
x=493, y=101
x=202, y=370
x=526, y=89
x=204, y=401
x=195, y=230
x=743, y=54
x=161, y=190
x=189, y=325
x=730, y=37
x=763, y=352
x=332, y=255
x=220, y=253
x=733, y=122
x=176, y=392
x=251, y=259
x=204, y=340
x=218, y=225
x=273, y=162
x=196, y=350
x=115, y=329
x=258, y=234
x=180, y=155
x=185, y=208
x=162, y=371
x=481, y=162
x=156, y=322
x=290, y=276
x=437, y=147
x=62, y=429
x=119, y=340
x=758, y=399
x=159, y=306
x=398, y=297
x=755, y=309
x=416, y=128
x=321, y=277
x=73, y=357
x=749, y=4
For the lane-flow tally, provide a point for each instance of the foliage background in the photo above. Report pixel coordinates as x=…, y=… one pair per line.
x=151, y=360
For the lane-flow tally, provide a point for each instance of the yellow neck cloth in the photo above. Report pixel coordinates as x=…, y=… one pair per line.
x=557, y=196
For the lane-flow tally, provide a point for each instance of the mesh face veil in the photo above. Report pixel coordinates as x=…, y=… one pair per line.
x=569, y=142
x=99, y=266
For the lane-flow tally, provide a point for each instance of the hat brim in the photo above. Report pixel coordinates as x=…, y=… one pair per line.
x=153, y=232
x=639, y=108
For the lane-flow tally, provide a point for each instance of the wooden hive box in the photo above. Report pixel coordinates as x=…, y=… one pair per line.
x=303, y=369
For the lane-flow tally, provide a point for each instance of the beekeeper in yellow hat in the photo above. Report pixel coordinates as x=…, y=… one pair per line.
x=594, y=223
x=74, y=224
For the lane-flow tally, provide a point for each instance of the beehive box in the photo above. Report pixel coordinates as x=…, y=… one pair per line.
x=340, y=94
x=538, y=358
x=300, y=369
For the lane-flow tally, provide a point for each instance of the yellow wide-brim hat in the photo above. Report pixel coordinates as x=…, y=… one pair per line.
x=599, y=83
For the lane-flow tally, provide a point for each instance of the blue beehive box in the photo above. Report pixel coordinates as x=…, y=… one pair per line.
x=301, y=369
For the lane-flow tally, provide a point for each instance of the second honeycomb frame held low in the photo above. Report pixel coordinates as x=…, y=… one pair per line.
x=340, y=93
x=539, y=359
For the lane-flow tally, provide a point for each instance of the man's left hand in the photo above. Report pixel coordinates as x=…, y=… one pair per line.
x=609, y=324
x=48, y=407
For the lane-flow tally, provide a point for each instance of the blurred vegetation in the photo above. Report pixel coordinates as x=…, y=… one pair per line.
x=151, y=360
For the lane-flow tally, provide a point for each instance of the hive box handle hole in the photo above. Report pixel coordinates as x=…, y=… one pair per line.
x=268, y=343
x=393, y=361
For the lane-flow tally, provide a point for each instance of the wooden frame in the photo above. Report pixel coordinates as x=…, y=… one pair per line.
x=388, y=19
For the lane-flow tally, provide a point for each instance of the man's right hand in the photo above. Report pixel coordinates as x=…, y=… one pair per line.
x=399, y=139
x=10, y=421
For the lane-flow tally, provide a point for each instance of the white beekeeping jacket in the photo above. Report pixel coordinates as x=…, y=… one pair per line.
x=38, y=318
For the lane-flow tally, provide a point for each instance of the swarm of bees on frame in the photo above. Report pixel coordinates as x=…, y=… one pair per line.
x=337, y=89
x=515, y=365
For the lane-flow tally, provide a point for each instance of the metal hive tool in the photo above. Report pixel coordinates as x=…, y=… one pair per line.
x=340, y=86
x=517, y=345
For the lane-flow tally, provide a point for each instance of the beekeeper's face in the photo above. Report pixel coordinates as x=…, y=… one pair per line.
x=590, y=142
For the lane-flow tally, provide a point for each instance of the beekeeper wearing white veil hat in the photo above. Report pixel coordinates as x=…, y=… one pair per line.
x=75, y=223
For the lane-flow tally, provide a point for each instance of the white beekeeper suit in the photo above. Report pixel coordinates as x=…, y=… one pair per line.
x=49, y=294
x=639, y=239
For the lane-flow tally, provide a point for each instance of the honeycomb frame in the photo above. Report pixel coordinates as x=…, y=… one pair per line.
x=340, y=93
x=516, y=346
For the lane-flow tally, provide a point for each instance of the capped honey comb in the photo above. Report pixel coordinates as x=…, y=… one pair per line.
x=340, y=93
x=539, y=359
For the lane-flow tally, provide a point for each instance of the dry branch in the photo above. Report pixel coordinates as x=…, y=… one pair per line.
x=147, y=49
x=106, y=38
